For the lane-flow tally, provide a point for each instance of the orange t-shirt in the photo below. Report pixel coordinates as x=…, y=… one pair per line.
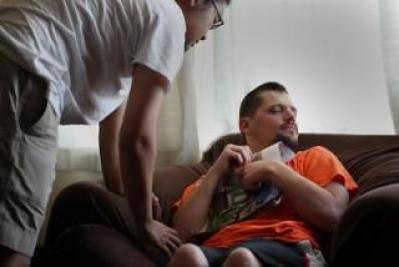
x=283, y=223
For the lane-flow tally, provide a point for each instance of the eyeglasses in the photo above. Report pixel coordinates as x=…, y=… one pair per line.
x=219, y=21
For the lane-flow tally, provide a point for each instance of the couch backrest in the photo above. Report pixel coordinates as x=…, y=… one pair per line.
x=346, y=146
x=372, y=160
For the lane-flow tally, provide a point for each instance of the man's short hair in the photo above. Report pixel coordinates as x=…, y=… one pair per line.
x=252, y=101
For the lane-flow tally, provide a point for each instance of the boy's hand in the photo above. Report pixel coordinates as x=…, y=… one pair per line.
x=161, y=236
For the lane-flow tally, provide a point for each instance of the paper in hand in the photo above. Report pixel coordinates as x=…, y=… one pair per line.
x=268, y=192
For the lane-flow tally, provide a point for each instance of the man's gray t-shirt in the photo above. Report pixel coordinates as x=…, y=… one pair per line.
x=85, y=49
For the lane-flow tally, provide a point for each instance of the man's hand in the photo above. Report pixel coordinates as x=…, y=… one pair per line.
x=232, y=157
x=162, y=236
x=251, y=175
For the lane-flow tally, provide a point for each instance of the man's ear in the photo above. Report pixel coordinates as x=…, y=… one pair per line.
x=244, y=124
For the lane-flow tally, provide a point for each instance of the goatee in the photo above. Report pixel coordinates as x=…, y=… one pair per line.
x=287, y=140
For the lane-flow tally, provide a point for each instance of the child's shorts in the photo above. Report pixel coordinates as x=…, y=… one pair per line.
x=268, y=252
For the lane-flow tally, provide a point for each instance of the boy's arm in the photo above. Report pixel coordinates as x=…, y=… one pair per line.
x=191, y=217
x=137, y=147
x=109, y=150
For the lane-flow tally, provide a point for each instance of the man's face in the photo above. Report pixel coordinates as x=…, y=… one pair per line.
x=199, y=20
x=274, y=120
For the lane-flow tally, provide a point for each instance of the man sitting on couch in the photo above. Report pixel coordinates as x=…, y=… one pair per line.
x=286, y=232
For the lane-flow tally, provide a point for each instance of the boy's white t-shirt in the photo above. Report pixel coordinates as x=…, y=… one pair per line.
x=87, y=49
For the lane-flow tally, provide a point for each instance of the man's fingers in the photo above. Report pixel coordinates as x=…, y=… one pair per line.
x=248, y=154
x=245, y=153
x=238, y=158
x=242, y=154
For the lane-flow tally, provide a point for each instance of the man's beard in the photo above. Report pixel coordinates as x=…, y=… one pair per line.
x=287, y=140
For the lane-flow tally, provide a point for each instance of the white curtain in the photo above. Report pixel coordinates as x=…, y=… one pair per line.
x=177, y=127
x=177, y=132
x=389, y=14
x=78, y=149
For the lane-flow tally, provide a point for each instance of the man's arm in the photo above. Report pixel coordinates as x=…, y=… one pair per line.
x=191, y=217
x=109, y=150
x=319, y=206
x=137, y=148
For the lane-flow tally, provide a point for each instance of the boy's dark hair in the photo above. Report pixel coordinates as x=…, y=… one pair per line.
x=252, y=101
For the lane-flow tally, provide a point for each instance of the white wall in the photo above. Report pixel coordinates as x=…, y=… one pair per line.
x=326, y=52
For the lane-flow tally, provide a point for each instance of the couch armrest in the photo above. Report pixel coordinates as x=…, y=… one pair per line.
x=169, y=183
x=367, y=230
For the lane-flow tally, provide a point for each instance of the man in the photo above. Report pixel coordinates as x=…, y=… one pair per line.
x=315, y=186
x=63, y=61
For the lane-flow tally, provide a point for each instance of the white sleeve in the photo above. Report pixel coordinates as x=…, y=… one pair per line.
x=162, y=46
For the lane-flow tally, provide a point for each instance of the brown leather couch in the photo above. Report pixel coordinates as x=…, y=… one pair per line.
x=369, y=229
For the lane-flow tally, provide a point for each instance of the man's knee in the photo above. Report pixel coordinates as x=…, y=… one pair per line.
x=79, y=193
x=74, y=199
x=188, y=255
x=10, y=258
x=74, y=205
x=94, y=245
x=88, y=203
x=241, y=257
